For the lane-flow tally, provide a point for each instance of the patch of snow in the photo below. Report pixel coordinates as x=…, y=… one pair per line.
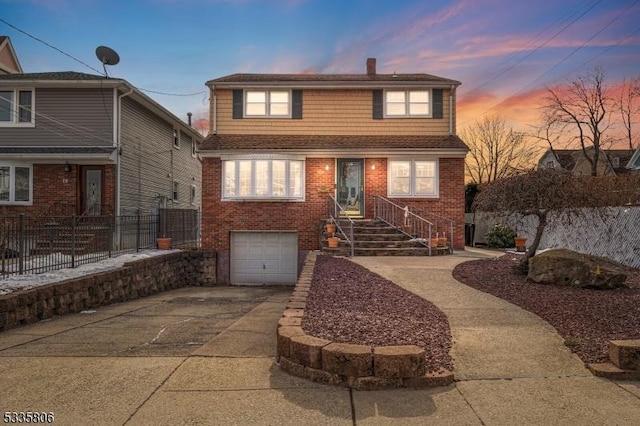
x=27, y=281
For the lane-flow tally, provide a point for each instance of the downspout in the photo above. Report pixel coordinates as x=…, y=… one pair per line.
x=119, y=148
x=451, y=110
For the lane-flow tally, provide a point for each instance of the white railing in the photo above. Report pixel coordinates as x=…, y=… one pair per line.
x=441, y=224
x=402, y=218
x=342, y=220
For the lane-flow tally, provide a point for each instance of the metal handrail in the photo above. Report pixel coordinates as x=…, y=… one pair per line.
x=400, y=217
x=337, y=213
x=437, y=220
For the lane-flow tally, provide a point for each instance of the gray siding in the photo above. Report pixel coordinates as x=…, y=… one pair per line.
x=66, y=117
x=150, y=163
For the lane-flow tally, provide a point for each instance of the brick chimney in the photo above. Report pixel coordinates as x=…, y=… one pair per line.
x=371, y=66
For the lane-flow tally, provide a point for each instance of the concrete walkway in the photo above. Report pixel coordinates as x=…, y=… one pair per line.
x=206, y=356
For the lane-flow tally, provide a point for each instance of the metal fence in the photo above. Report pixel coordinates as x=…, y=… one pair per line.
x=31, y=245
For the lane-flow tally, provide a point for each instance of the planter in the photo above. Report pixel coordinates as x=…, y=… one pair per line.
x=434, y=242
x=333, y=242
x=442, y=242
x=521, y=244
x=164, y=243
x=331, y=228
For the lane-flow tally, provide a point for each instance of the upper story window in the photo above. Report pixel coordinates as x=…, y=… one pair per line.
x=263, y=179
x=413, y=178
x=16, y=107
x=176, y=192
x=407, y=103
x=16, y=183
x=267, y=103
x=176, y=138
x=194, y=148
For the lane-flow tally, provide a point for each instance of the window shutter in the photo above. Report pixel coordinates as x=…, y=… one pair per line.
x=238, y=100
x=438, y=105
x=296, y=104
x=378, y=108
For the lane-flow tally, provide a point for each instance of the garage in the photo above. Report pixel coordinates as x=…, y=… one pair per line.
x=264, y=257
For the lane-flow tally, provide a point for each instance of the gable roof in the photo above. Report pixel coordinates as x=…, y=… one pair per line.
x=57, y=76
x=568, y=158
x=332, y=143
x=9, y=63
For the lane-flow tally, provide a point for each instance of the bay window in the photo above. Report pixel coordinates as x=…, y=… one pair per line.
x=413, y=178
x=263, y=179
x=16, y=184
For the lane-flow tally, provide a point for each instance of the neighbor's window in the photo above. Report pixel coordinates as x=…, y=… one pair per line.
x=175, y=191
x=16, y=184
x=413, y=178
x=407, y=103
x=267, y=103
x=263, y=179
x=176, y=138
x=192, y=197
x=16, y=107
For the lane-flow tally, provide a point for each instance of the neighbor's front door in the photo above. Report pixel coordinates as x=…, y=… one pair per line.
x=92, y=190
x=350, y=186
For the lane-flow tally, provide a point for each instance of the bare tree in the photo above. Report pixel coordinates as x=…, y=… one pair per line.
x=496, y=151
x=541, y=191
x=628, y=105
x=582, y=108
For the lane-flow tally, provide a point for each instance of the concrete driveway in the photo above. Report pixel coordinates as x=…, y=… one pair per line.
x=206, y=356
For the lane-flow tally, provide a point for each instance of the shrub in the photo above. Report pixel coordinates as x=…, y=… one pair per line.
x=501, y=236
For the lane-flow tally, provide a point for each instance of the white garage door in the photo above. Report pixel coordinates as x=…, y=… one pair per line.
x=264, y=257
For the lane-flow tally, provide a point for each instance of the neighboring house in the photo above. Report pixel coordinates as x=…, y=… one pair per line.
x=74, y=143
x=280, y=144
x=9, y=63
x=634, y=161
x=610, y=161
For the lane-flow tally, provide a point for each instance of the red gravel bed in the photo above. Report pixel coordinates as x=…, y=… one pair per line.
x=586, y=319
x=350, y=304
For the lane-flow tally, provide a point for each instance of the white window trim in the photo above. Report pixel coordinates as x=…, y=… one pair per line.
x=14, y=112
x=193, y=194
x=412, y=177
x=12, y=176
x=407, y=104
x=176, y=138
x=267, y=113
x=270, y=159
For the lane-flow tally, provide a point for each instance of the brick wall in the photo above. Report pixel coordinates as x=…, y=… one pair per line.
x=219, y=218
x=51, y=184
x=134, y=280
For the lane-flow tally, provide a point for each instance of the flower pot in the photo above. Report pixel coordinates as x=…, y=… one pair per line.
x=333, y=242
x=164, y=243
x=521, y=244
x=331, y=228
x=434, y=242
x=442, y=242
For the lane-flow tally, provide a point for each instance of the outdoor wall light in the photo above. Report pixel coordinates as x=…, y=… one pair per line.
x=326, y=167
x=67, y=167
x=373, y=167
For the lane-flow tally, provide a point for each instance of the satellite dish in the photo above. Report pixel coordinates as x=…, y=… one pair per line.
x=107, y=56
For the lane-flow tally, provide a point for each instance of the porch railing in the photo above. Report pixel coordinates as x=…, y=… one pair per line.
x=342, y=220
x=442, y=225
x=402, y=218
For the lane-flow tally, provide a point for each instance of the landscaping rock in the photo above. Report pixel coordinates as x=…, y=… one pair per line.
x=568, y=268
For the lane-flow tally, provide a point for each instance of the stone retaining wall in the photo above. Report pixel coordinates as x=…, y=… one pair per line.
x=625, y=361
x=357, y=366
x=132, y=281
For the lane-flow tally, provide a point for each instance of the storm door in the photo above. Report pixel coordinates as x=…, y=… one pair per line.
x=350, y=186
x=92, y=191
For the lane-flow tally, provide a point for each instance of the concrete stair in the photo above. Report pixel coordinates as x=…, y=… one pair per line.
x=376, y=238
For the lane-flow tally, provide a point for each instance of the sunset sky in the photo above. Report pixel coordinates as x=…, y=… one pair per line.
x=505, y=52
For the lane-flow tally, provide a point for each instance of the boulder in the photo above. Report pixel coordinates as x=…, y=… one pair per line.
x=569, y=268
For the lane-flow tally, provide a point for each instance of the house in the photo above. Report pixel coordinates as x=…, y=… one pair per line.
x=281, y=144
x=9, y=63
x=75, y=143
x=610, y=162
x=634, y=162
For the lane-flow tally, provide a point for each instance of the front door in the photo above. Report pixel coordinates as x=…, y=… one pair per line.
x=92, y=190
x=350, y=186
